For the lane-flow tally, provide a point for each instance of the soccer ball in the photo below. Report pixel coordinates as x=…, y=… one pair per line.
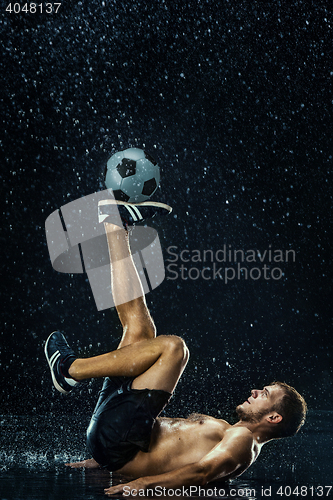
x=133, y=175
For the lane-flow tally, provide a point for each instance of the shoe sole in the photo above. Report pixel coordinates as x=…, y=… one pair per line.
x=54, y=380
x=156, y=204
x=133, y=208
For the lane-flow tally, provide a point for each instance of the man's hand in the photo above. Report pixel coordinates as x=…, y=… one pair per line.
x=88, y=464
x=133, y=486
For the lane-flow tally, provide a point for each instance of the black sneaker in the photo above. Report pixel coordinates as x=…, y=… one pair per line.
x=57, y=353
x=130, y=213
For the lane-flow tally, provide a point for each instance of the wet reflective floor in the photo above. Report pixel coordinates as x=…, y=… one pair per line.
x=34, y=450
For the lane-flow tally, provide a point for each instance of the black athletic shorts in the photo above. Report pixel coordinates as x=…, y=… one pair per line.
x=122, y=421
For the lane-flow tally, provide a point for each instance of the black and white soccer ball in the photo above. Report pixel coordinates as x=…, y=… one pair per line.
x=133, y=175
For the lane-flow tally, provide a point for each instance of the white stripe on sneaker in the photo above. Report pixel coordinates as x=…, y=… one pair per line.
x=137, y=212
x=54, y=358
x=131, y=211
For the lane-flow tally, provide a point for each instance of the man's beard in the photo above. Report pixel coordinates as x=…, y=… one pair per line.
x=249, y=416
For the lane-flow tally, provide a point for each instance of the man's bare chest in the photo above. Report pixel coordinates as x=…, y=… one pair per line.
x=193, y=435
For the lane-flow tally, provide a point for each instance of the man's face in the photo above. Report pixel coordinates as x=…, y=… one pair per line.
x=259, y=403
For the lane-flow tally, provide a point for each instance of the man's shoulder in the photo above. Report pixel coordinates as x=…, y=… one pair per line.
x=235, y=452
x=240, y=439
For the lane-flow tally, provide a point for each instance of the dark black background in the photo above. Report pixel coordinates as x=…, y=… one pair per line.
x=234, y=101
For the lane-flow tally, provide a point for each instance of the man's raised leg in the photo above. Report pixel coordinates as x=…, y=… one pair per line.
x=127, y=289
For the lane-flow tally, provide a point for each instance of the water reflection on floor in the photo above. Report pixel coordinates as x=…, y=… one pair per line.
x=34, y=449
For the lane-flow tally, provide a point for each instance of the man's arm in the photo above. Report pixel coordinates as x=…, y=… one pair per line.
x=229, y=457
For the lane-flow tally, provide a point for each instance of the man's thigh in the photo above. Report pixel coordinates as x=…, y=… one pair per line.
x=165, y=373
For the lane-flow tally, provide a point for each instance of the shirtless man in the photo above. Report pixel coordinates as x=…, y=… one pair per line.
x=125, y=433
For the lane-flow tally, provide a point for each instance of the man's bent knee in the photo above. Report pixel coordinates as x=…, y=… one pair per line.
x=176, y=347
